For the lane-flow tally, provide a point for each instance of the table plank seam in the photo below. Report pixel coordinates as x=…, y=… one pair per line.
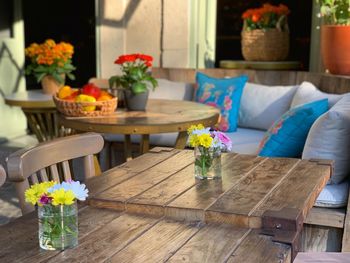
x=230, y=254
x=273, y=188
x=200, y=226
x=237, y=182
x=124, y=166
x=172, y=174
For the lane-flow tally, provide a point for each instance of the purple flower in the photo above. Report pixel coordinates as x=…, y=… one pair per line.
x=224, y=139
x=44, y=199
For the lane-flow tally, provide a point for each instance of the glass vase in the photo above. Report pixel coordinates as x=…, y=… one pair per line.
x=58, y=226
x=207, y=163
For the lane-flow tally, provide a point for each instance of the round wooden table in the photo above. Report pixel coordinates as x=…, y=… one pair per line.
x=40, y=111
x=161, y=116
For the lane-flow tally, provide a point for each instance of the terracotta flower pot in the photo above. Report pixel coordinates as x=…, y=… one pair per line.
x=50, y=85
x=335, y=48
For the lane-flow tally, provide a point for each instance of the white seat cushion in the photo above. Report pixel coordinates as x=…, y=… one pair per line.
x=172, y=90
x=333, y=195
x=246, y=141
x=262, y=105
x=307, y=93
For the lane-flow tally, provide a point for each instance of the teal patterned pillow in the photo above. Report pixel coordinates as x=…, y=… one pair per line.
x=287, y=136
x=224, y=94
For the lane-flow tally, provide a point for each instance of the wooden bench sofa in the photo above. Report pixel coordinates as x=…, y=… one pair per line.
x=325, y=229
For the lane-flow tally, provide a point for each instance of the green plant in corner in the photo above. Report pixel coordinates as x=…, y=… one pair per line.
x=335, y=12
x=136, y=75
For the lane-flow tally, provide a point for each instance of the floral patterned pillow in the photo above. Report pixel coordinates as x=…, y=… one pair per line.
x=287, y=136
x=224, y=94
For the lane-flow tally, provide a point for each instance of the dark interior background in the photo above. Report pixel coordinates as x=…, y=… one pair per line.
x=71, y=21
x=229, y=26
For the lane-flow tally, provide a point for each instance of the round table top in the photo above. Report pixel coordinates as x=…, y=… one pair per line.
x=161, y=116
x=30, y=99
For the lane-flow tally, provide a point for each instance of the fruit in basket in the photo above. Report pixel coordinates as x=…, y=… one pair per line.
x=86, y=98
x=73, y=95
x=105, y=97
x=91, y=89
x=64, y=92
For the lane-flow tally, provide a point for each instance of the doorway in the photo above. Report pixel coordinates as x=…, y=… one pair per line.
x=68, y=21
x=229, y=27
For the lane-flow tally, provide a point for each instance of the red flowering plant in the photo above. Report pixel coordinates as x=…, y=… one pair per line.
x=136, y=74
x=265, y=17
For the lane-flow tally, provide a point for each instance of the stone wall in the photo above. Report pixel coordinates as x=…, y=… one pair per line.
x=156, y=27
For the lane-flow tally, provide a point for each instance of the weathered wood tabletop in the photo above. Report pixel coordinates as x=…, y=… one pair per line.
x=160, y=213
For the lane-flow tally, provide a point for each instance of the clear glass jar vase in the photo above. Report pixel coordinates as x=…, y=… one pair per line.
x=58, y=226
x=207, y=163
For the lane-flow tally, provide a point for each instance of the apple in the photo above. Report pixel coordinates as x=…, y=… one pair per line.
x=92, y=90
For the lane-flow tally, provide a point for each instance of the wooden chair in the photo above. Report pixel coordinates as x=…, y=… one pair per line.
x=50, y=161
x=2, y=175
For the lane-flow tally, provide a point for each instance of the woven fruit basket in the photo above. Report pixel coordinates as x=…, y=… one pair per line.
x=88, y=109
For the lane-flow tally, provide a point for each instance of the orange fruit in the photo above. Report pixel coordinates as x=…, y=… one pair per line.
x=64, y=92
x=104, y=97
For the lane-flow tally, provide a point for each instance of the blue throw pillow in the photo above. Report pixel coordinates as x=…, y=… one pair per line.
x=224, y=94
x=287, y=136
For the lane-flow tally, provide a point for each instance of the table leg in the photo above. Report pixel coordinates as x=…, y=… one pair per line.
x=181, y=140
x=127, y=147
x=144, y=146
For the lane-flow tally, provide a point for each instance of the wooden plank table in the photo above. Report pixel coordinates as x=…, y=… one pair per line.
x=160, y=213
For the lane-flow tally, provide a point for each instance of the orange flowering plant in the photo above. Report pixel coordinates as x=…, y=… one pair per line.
x=267, y=16
x=50, y=58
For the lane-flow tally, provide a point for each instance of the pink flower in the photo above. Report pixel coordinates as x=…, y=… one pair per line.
x=224, y=139
x=227, y=103
x=44, y=199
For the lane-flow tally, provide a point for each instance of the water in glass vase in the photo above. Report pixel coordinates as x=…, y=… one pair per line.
x=207, y=163
x=58, y=226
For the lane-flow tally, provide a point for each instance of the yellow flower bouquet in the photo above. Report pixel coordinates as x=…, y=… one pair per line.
x=57, y=211
x=50, y=59
x=208, y=145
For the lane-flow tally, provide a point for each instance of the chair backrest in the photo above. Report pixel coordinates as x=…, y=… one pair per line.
x=2, y=175
x=50, y=161
x=43, y=123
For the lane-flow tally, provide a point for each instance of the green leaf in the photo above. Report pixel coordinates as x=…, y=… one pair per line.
x=58, y=77
x=70, y=76
x=138, y=88
x=40, y=76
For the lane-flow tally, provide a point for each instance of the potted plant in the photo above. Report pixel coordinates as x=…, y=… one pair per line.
x=335, y=36
x=265, y=34
x=50, y=63
x=135, y=80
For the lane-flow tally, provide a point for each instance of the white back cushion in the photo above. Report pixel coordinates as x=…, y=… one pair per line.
x=333, y=195
x=329, y=138
x=307, y=92
x=262, y=105
x=172, y=90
